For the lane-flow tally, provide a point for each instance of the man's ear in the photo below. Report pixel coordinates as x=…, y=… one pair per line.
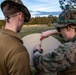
x=20, y=16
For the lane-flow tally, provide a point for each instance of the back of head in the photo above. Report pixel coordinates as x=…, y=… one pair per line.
x=67, y=17
x=11, y=7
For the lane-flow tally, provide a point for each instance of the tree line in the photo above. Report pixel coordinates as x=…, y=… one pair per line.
x=64, y=4
x=43, y=20
x=37, y=20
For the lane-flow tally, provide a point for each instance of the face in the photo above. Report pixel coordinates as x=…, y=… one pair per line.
x=63, y=31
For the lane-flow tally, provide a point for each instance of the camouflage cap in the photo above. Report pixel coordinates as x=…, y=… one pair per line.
x=67, y=17
x=20, y=5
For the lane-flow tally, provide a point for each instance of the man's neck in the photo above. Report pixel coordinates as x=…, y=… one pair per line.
x=11, y=27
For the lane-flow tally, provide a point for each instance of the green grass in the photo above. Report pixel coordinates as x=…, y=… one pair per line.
x=37, y=29
x=33, y=29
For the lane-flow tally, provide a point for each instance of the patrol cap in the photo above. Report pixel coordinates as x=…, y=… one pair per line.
x=21, y=7
x=67, y=17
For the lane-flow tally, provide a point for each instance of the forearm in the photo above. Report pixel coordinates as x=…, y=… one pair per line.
x=50, y=32
x=52, y=62
x=46, y=63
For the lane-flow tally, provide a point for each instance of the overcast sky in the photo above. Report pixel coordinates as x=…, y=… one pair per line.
x=40, y=7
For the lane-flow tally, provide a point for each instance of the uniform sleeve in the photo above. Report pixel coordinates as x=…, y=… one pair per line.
x=58, y=60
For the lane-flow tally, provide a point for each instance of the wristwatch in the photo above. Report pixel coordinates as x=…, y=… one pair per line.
x=40, y=51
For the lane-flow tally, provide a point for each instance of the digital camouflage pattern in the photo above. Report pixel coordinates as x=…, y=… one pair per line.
x=66, y=17
x=61, y=58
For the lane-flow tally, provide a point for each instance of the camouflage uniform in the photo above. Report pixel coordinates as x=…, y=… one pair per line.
x=64, y=56
x=58, y=60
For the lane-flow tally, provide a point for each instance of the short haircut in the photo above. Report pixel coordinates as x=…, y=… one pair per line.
x=10, y=9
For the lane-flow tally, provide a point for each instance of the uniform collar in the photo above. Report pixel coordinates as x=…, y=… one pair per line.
x=12, y=33
x=73, y=39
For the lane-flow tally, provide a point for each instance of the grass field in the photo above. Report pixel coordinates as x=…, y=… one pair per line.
x=26, y=30
x=34, y=29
